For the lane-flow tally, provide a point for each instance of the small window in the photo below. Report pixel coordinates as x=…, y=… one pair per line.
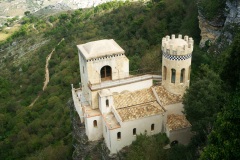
x=182, y=76
x=107, y=102
x=173, y=78
x=119, y=135
x=95, y=123
x=189, y=70
x=134, y=131
x=152, y=127
x=164, y=73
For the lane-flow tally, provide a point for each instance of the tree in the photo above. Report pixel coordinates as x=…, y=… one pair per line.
x=202, y=101
x=224, y=140
x=231, y=70
x=148, y=147
x=212, y=9
x=27, y=13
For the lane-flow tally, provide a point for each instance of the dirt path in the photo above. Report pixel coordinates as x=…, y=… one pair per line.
x=33, y=26
x=46, y=67
x=47, y=77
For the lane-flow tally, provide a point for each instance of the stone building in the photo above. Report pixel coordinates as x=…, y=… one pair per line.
x=117, y=106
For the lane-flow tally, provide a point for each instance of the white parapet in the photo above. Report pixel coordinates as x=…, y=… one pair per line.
x=177, y=46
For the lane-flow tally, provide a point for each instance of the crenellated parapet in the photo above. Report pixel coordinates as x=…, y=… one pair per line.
x=177, y=46
x=176, y=63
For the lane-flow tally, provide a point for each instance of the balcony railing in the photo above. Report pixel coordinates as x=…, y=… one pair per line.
x=127, y=80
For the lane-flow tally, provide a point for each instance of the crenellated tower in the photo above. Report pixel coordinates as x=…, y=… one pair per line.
x=176, y=63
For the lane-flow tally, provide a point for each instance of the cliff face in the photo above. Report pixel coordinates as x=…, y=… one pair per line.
x=209, y=32
x=221, y=28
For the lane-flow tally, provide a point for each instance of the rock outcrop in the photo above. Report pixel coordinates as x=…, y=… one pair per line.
x=221, y=29
x=209, y=32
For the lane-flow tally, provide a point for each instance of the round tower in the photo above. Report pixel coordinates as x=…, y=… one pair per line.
x=176, y=63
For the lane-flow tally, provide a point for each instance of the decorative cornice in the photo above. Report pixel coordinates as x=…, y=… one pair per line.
x=177, y=57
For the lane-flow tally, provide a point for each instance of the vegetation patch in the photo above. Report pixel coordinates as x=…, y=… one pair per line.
x=6, y=32
x=43, y=131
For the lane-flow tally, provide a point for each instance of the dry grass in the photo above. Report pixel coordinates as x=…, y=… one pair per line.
x=7, y=32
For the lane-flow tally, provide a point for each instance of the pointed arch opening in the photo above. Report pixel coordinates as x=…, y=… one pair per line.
x=164, y=73
x=182, y=76
x=106, y=73
x=173, y=77
x=189, y=71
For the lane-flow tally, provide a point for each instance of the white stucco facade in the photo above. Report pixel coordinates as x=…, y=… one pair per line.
x=93, y=127
x=117, y=106
x=128, y=135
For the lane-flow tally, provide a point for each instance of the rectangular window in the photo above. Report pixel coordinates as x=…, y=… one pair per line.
x=95, y=123
x=134, y=131
x=152, y=127
x=119, y=135
x=107, y=102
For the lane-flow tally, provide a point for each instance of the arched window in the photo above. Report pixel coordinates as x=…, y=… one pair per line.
x=164, y=73
x=106, y=73
x=152, y=127
x=134, y=131
x=189, y=70
x=173, y=78
x=119, y=135
x=95, y=123
x=107, y=102
x=182, y=76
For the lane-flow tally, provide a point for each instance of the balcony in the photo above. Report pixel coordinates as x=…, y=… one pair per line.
x=128, y=80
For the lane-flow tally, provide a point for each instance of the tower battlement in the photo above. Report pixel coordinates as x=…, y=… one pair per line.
x=177, y=46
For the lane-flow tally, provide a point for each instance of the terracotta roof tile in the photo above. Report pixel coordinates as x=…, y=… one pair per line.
x=175, y=122
x=166, y=97
x=140, y=111
x=133, y=98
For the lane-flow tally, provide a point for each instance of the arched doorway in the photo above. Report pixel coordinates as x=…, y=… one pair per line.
x=106, y=73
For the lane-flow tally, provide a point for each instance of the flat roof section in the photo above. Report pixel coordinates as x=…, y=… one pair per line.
x=89, y=112
x=111, y=121
x=124, y=81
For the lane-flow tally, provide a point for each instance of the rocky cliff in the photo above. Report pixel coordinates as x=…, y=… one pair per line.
x=221, y=28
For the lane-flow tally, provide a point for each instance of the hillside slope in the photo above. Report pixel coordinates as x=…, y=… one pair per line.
x=44, y=130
